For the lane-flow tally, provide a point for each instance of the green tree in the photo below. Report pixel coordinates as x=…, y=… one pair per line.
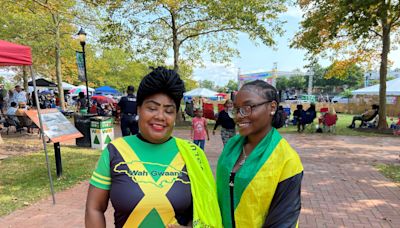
x=282, y=83
x=207, y=84
x=46, y=26
x=232, y=85
x=365, y=25
x=297, y=82
x=190, y=28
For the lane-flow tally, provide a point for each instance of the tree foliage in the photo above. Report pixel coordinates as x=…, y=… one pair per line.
x=361, y=26
x=207, y=84
x=189, y=28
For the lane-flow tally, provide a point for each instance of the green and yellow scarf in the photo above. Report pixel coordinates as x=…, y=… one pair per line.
x=271, y=162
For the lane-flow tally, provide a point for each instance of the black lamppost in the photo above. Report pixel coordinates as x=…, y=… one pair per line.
x=82, y=39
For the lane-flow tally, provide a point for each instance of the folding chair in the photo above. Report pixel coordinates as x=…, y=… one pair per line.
x=12, y=122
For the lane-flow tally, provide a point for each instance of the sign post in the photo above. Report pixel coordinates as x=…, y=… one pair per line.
x=58, y=128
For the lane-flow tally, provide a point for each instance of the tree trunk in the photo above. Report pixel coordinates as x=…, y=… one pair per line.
x=58, y=64
x=175, y=42
x=382, y=124
x=25, y=79
x=175, y=45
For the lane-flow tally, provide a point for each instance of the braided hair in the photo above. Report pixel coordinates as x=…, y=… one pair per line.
x=268, y=92
x=161, y=80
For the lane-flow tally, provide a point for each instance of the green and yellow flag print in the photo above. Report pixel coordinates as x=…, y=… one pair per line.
x=257, y=182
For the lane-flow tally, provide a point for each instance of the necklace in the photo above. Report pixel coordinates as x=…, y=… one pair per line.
x=244, y=157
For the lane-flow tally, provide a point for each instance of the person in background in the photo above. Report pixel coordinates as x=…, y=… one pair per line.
x=9, y=98
x=226, y=121
x=3, y=94
x=129, y=124
x=258, y=173
x=368, y=115
x=152, y=178
x=19, y=95
x=199, y=129
x=297, y=117
x=12, y=109
x=81, y=104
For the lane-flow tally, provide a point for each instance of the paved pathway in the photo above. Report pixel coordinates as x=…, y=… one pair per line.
x=341, y=188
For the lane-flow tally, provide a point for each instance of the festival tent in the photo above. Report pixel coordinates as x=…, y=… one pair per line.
x=77, y=89
x=67, y=86
x=41, y=82
x=18, y=55
x=14, y=54
x=201, y=92
x=392, y=89
x=106, y=90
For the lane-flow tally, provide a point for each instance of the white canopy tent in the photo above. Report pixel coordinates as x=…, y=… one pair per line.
x=201, y=92
x=392, y=89
x=67, y=86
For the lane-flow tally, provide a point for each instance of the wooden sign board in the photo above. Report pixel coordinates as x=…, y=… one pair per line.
x=56, y=126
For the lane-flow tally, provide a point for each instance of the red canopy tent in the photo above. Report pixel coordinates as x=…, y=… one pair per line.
x=18, y=55
x=14, y=54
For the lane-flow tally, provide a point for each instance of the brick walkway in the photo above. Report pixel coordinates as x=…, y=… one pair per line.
x=341, y=188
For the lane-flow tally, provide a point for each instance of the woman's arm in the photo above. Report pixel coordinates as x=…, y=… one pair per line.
x=285, y=207
x=96, y=205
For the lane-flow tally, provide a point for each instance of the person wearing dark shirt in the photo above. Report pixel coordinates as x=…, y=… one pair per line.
x=81, y=103
x=226, y=122
x=127, y=104
x=297, y=115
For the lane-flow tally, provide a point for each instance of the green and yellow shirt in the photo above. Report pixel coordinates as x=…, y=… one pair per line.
x=148, y=183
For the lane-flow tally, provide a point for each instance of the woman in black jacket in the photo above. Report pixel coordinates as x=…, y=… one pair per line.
x=226, y=122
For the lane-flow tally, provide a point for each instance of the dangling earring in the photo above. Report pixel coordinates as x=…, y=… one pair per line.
x=272, y=113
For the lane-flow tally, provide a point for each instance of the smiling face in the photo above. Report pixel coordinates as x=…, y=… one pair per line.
x=156, y=118
x=228, y=105
x=259, y=122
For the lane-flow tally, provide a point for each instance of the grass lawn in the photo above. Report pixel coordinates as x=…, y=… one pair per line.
x=390, y=171
x=24, y=178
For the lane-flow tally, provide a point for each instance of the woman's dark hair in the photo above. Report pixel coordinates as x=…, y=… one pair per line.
x=81, y=95
x=268, y=92
x=161, y=80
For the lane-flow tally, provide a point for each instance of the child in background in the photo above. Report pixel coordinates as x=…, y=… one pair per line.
x=395, y=126
x=199, y=129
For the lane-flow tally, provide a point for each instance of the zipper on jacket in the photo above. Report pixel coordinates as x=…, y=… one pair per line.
x=231, y=185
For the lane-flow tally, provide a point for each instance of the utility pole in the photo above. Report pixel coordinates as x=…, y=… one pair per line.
x=274, y=73
x=310, y=74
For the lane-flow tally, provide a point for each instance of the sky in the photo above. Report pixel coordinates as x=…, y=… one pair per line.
x=261, y=58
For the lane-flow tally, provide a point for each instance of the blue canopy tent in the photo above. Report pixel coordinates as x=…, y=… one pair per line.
x=106, y=90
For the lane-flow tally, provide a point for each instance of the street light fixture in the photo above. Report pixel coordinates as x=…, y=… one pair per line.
x=82, y=40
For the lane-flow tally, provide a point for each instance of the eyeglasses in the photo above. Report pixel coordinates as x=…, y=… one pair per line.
x=247, y=109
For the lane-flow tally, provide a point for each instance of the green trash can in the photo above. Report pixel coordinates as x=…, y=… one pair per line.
x=101, y=131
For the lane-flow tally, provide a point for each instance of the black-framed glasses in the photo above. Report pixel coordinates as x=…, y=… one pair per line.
x=247, y=109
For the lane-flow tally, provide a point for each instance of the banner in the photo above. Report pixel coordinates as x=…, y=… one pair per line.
x=265, y=76
x=81, y=66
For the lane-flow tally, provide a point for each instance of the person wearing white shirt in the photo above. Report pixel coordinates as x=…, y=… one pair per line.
x=19, y=95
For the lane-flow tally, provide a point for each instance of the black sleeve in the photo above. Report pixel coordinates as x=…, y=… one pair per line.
x=285, y=207
x=218, y=122
x=121, y=102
